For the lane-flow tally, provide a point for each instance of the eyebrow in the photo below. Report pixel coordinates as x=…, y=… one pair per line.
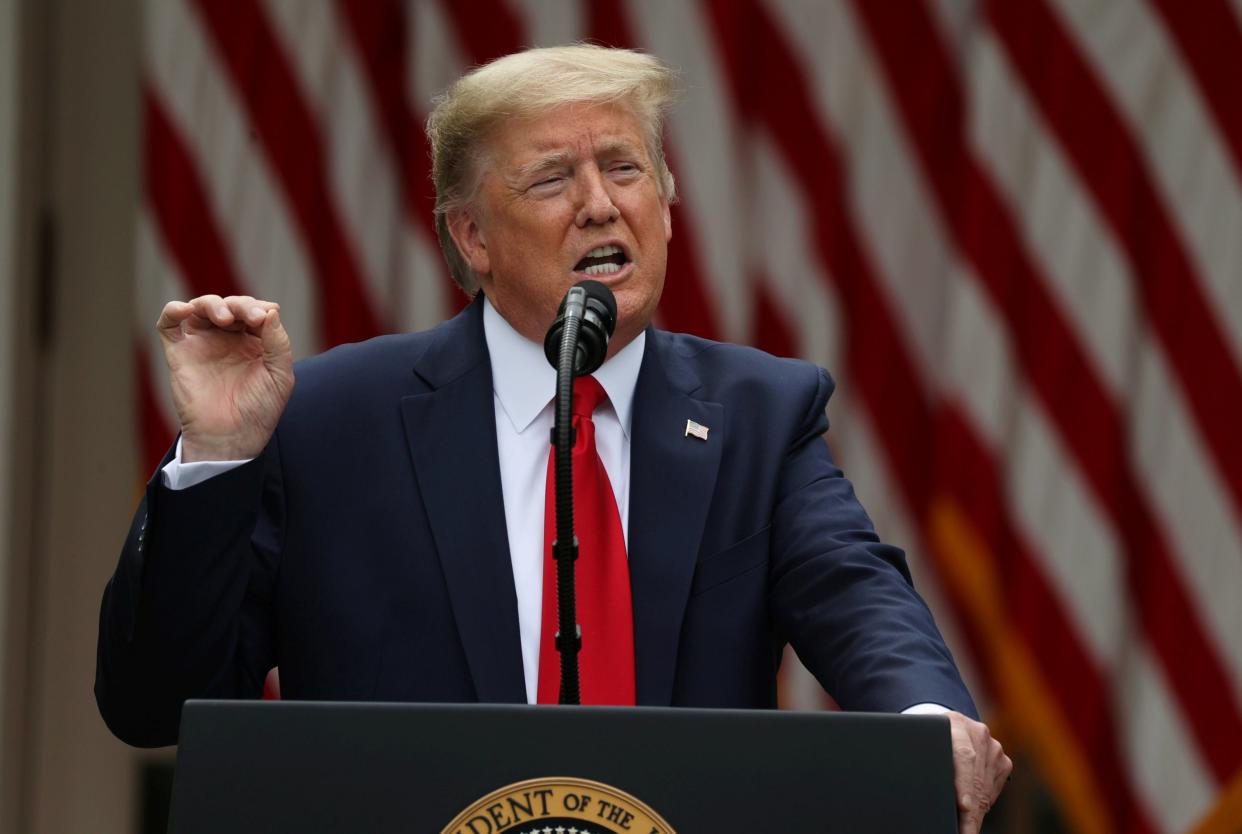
x=558, y=159
x=543, y=163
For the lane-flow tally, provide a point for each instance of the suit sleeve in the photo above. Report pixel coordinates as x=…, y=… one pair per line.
x=845, y=600
x=188, y=612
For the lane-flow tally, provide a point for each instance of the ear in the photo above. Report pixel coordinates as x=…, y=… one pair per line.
x=471, y=242
x=668, y=221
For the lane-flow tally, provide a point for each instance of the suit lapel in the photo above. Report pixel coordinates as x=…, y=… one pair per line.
x=672, y=478
x=451, y=431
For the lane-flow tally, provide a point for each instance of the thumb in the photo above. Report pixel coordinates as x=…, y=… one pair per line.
x=275, y=339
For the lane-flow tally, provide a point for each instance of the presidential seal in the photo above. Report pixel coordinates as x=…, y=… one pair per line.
x=558, y=805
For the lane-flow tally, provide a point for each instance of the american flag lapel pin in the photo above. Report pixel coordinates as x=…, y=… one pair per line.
x=693, y=429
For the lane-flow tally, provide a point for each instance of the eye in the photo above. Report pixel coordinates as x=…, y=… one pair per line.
x=547, y=184
x=625, y=172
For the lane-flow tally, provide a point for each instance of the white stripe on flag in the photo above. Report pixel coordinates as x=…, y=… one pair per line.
x=1074, y=252
x=1141, y=71
x=785, y=252
x=707, y=143
x=156, y=281
x=1173, y=784
x=270, y=258
x=553, y=22
x=902, y=232
x=362, y=175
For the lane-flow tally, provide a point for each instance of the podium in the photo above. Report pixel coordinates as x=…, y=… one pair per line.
x=312, y=768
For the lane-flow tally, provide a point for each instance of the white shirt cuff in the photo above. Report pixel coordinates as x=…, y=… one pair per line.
x=179, y=475
x=925, y=709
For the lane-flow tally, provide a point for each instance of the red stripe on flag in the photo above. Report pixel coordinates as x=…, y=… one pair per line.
x=182, y=210
x=1110, y=163
x=187, y=226
x=774, y=92
x=1209, y=38
x=379, y=33
x=265, y=82
x=685, y=304
x=768, y=89
x=923, y=85
x=769, y=329
x=487, y=29
x=969, y=474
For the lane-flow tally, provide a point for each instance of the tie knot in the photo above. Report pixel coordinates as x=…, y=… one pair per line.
x=588, y=394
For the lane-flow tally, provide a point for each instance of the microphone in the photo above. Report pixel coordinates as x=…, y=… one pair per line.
x=595, y=307
x=576, y=345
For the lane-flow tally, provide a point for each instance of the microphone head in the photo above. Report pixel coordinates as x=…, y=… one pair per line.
x=607, y=309
x=596, y=308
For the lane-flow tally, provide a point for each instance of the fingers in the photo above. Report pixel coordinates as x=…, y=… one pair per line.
x=235, y=312
x=172, y=316
x=1002, y=770
x=969, y=788
x=980, y=770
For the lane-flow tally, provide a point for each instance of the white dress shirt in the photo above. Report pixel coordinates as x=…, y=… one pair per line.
x=524, y=385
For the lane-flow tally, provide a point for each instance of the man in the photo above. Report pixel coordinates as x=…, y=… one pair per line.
x=379, y=531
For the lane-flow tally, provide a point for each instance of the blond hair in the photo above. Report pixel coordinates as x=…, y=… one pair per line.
x=526, y=84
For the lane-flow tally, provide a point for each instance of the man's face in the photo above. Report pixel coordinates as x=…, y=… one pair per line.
x=568, y=195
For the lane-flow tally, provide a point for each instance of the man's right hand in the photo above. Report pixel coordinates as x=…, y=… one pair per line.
x=231, y=373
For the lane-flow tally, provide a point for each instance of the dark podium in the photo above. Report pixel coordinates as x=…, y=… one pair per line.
x=424, y=769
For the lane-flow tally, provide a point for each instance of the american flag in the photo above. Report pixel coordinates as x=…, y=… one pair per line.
x=1011, y=228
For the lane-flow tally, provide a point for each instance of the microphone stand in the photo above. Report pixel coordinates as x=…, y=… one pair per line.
x=565, y=547
x=586, y=320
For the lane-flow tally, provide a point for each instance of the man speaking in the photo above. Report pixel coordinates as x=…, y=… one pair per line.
x=381, y=530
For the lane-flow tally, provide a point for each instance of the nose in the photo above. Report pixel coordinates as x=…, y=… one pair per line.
x=594, y=202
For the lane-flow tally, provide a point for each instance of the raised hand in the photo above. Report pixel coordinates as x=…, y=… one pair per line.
x=231, y=373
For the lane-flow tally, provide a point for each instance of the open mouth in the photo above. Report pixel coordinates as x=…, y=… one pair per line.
x=602, y=260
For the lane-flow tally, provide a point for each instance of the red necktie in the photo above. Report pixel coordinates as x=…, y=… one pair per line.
x=606, y=662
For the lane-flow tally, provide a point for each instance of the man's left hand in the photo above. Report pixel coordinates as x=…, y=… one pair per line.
x=980, y=770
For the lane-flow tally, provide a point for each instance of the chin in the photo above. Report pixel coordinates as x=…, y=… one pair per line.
x=632, y=321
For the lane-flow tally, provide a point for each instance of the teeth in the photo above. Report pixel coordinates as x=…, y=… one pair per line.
x=603, y=251
x=602, y=269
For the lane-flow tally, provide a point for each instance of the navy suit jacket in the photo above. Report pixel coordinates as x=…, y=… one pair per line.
x=366, y=554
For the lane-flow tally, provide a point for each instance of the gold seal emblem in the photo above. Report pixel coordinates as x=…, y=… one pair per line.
x=558, y=805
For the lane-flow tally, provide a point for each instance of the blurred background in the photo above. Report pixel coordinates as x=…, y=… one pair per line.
x=1012, y=230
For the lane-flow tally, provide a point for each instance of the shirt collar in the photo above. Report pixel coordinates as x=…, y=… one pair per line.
x=525, y=383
